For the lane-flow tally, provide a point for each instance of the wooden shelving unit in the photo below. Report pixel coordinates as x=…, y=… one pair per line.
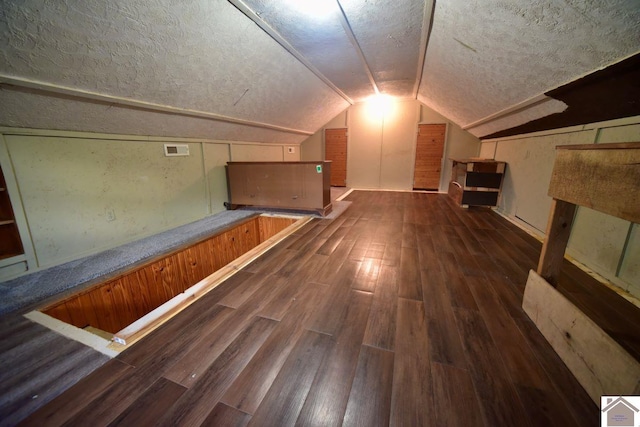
x=10, y=242
x=476, y=182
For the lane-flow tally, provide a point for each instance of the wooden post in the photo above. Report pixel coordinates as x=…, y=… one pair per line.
x=558, y=232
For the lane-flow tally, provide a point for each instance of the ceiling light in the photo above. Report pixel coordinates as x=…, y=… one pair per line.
x=380, y=106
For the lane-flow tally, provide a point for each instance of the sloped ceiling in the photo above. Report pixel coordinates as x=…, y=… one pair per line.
x=271, y=71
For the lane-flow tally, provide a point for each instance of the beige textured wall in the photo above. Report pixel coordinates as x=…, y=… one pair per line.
x=216, y=157
x=256, y=153
x=83, y=193
x=597, y=240
x=312, y=148
x=363, y=149
x=398, y=146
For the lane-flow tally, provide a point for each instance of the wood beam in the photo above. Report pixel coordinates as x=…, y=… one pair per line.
x=558, y=232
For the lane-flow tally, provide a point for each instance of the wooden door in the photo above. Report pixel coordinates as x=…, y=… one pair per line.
x=335, y=148
x=429, y=149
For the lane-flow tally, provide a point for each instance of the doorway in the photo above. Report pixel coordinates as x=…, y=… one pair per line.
x=429, y=149
x=335, y=148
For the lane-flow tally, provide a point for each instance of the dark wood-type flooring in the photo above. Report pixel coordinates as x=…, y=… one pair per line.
x=405, y=310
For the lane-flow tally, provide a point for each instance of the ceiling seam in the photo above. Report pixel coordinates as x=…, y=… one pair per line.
x=249, y=13
x=116, y=100
x=514, y=109
x=352, y=37
x=424, y=37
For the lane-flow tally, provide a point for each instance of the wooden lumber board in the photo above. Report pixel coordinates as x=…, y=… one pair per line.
x=604, y=177
x=558, y=232
x=599, y=363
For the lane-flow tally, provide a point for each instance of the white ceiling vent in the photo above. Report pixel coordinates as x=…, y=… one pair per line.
x=171, y=150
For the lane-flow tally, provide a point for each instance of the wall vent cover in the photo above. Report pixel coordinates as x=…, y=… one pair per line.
x=171, y=150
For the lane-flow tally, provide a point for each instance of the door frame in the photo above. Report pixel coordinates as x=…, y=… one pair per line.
x=442, y=186
x=324, y=150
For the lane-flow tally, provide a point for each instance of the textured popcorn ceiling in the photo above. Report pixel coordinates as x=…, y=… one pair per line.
x=487, y=56
x=264, y=70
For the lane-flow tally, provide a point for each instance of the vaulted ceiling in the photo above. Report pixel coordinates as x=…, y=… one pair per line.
x=273, y=70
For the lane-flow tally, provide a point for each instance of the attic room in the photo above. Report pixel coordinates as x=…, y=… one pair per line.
x=392, y=300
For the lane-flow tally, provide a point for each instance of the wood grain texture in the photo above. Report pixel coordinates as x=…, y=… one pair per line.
x=381, y=327
x=119, y=302
x=336, y=152
x=367, y=275
x=606, y=180
x=454, y=397
x=328, y=319
x=445, y=345
x=557, y=237
x=412, y=398
x=282, y=404
x=151, y=406
x=409, y=284
x=466, y=342
x=327, y=399
x=223, y=415
x=193, y=407
x=429, y=148
x=42, y=370
x=498, y=398
x=66, y=406
x=248, y=390
x=370, y=398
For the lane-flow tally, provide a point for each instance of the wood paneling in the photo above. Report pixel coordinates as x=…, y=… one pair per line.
x=429, y=149
x=335, y=148
x=269, y=226
x=115, y=304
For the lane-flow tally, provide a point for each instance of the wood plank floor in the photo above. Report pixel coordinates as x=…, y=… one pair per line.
x=404, y=311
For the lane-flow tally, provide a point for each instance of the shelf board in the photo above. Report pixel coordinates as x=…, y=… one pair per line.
x=7, y=222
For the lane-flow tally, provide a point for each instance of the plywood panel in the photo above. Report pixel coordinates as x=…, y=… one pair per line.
x=335, y=141
x=429, y=149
